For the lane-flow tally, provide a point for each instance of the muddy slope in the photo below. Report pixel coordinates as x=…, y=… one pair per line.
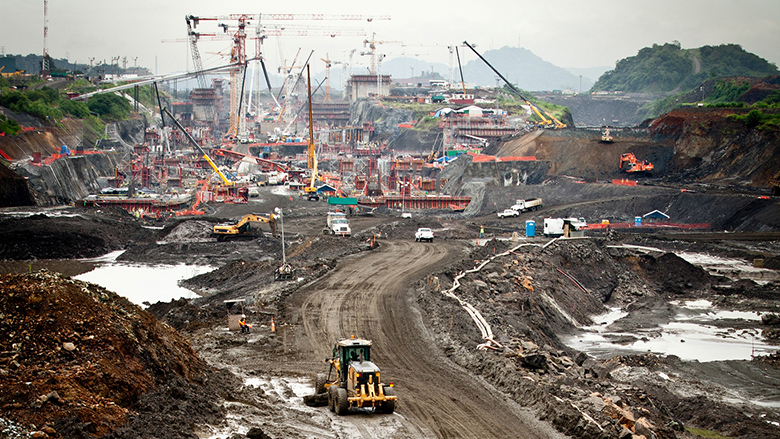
x=710, y=147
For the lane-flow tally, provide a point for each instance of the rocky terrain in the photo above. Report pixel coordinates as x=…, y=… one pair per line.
x=80, y=361
x=533, y=295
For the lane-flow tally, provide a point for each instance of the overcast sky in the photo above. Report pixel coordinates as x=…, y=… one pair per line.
x=566, y=33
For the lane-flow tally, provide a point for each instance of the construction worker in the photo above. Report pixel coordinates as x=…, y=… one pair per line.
x=481, y=231
x=244, y=325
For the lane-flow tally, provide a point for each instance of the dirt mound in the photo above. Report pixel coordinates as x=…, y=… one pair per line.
x=77, y=357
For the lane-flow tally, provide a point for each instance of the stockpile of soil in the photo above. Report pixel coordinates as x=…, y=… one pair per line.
x=79, y=359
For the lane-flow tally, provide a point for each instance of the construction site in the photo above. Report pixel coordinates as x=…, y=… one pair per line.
x=242, y=260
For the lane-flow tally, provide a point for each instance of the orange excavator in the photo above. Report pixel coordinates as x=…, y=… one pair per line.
x=629, y=163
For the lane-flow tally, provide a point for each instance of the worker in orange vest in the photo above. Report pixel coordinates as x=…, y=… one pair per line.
x=245, y=327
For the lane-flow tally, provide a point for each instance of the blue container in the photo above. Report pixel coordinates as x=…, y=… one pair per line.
x=637, y=221
x=530, y=229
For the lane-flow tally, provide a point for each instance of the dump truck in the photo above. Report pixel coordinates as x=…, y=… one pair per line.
x=527, y=205
x=241, y=227
x=353, y=381
x=337, y=224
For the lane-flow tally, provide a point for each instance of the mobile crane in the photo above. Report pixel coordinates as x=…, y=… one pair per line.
x=311, y=190
x=544, y=122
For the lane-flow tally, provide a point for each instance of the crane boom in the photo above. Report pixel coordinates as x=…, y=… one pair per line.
x=312, y=153
x=197, y=64
x=545, y=121
x=200, y=150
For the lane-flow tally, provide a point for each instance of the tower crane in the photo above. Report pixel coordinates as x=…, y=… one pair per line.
x=238, y=51
x=45, y=59
x=372, y=50
x=328, y=64
x=192, y=36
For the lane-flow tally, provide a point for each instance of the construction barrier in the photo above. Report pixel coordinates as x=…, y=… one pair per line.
x=646, y=225
x=481, y=158
x=624, y=182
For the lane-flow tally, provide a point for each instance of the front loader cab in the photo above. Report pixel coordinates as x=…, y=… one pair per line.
x=357, y=383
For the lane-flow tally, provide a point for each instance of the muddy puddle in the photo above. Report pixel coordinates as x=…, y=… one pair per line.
x=139, y=283
x=698, y=331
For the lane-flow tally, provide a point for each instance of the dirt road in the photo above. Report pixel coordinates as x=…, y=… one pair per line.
x=371, y=296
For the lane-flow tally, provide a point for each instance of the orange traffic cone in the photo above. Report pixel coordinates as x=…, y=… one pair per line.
x=273, y=326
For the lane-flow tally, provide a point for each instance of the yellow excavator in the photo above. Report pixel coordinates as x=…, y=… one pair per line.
x=241, y=227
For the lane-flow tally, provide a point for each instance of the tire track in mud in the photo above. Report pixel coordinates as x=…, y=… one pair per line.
x=369, y=296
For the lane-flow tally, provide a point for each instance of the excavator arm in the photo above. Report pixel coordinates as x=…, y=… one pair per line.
x=241, y=226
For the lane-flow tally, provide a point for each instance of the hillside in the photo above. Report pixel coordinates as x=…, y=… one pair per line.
x=669, y=68
x=521, y=67
x=734, y=91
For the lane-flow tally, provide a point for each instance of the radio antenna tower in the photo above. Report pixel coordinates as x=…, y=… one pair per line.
x=45, y=62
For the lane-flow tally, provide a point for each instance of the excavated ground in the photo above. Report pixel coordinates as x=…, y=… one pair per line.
x=382, y=285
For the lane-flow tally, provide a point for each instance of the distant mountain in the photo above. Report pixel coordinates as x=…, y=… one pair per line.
x=522, y=68
x=518, y=65
x=669, y=68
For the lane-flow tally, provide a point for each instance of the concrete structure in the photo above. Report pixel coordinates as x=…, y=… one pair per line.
x=363, y=86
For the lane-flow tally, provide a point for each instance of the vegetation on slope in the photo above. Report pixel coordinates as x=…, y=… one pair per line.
x=734, y=92
x=667, y=68
x=52, y=105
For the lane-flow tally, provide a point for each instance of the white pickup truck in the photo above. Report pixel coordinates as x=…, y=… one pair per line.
x=508, y=212
x=338, y=224
x=526, y=205
x=424, y=234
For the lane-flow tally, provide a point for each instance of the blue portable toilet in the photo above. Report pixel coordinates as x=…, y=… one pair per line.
x=637, y=221
x=530, y=229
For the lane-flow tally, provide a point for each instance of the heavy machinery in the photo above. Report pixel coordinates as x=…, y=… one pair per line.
x=543, y=121
x=311, y=190
x=629, y=163
x=606, y=137
x=241, y=227
x=353, y=380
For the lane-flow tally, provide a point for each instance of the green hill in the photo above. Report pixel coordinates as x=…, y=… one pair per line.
x=668, y=68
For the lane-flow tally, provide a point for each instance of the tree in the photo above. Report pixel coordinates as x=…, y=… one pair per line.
x=109, y=105
x=753, y=118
